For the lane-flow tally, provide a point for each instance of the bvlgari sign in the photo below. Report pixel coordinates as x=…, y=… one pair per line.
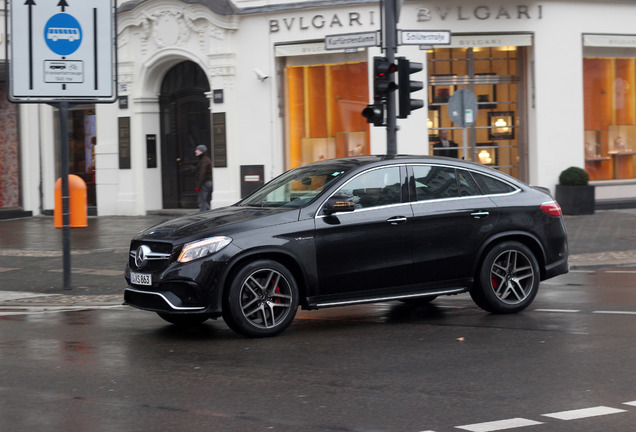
x=434, y=13
x=481, y=13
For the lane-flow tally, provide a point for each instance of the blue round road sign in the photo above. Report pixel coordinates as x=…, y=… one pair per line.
x=63, y=34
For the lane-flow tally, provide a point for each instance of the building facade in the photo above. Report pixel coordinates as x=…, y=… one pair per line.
x=555, y=83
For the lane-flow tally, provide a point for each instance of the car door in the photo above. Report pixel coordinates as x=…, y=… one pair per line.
x=368, y=250
x=451, y=218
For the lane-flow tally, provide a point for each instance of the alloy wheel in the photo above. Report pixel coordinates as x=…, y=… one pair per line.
x=512, y=277
x=266, y=298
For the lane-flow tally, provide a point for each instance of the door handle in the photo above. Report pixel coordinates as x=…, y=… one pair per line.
x=479, y=214
x=396, y=220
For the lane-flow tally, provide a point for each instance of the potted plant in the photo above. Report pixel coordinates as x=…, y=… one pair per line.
x=573, y=193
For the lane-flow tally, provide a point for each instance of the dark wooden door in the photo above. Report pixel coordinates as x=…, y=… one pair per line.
x=185, y=124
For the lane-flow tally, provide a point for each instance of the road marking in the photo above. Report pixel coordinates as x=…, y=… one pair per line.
x=14, y=295
x=8, y=269
x=94, y=272
x=615, y=312
x=558, y=310
x=499, y=425
x=39, y=310
x=621, y=271
x=632, y=403
x=584, y=413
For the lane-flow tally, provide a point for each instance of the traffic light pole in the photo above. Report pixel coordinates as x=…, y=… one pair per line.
x=390, y=45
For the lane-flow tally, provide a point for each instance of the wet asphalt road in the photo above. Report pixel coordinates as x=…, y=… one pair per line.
x=31, y=250
x=385, y=367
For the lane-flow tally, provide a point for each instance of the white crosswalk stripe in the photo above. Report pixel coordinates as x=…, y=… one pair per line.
x=499, y=425
x=584, y=413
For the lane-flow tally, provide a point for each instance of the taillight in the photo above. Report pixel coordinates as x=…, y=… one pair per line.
x=552, y=208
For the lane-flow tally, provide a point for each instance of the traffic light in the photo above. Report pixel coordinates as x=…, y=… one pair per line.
x=383, y=81
x=374, y=113
x=406, y=86
x=383, y=85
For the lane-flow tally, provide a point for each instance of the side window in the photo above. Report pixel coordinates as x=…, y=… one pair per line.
x=467, y=185
x=434, y=182
x=491, y=185
x=375, y=188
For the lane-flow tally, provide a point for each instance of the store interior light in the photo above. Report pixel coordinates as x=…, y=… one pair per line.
x=484, y=157
x=502, y=126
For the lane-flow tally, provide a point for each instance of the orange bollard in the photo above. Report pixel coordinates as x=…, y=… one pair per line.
x=76, y=203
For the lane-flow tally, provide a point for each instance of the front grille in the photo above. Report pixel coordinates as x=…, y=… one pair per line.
x=158, y=258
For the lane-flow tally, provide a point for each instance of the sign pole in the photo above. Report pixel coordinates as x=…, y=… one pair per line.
x=66, y=231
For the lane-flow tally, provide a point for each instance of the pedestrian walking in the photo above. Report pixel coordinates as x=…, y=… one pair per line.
x=203, y=178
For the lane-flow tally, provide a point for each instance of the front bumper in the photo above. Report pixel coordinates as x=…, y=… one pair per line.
x=161, y=301
x=180, y=288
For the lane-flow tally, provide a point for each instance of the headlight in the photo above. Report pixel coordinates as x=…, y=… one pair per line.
x=202, y=248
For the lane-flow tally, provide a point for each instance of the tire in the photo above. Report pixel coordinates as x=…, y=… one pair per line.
x=184, y=320
x=508, y=279
x=261, y=300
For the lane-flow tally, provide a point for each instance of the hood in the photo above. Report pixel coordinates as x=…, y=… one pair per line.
x=223, y=221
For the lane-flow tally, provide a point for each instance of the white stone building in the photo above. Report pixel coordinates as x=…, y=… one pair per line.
x=252, y=80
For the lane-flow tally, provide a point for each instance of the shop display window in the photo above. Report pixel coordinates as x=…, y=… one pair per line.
x=82, y=139
x=324, y=103
x=493, y=74
x=610, y=117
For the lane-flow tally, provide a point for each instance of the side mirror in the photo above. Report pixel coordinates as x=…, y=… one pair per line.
x=339, y=203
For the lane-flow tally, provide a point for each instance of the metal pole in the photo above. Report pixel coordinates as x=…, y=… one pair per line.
x=66, y=231
x=390, y=39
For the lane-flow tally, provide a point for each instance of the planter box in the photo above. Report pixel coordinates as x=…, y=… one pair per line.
x=576, y=200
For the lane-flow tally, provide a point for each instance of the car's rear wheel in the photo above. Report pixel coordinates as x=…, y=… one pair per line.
x=508, y=279
x=262, y=299
x=184, y=320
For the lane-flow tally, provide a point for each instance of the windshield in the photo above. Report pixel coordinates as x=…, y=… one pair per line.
x=297, y=187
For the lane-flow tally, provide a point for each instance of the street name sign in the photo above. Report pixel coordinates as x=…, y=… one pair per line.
x=348, y=41
x=61, y=50
x=425, y=37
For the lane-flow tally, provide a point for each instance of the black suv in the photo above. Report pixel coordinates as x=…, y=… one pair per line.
x=347, y=231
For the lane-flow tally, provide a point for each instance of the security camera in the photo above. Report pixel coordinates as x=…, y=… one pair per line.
x=260, y=74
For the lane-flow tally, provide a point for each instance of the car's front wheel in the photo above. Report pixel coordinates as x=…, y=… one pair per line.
x=508, y=279
x=261, y=300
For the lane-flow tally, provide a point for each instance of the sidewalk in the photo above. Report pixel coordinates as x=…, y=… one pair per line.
x=31, y=255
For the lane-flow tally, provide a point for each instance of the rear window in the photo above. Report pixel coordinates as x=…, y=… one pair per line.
x=492, y=186
x=435, y=182
x=467, y=185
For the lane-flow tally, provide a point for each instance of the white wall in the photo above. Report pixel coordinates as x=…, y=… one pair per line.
x=233, y=47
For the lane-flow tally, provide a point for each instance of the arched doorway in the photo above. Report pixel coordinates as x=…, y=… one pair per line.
x=185, y=123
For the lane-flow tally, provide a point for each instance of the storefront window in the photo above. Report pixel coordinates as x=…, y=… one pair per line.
x=324, y=103
x=82, y=138
x=610, y=116
x=493, y=74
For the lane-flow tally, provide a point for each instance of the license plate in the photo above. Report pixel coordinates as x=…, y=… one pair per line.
x=140, y=279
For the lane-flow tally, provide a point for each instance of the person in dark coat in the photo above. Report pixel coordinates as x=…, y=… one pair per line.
x=445, y=147
x=203, y=180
